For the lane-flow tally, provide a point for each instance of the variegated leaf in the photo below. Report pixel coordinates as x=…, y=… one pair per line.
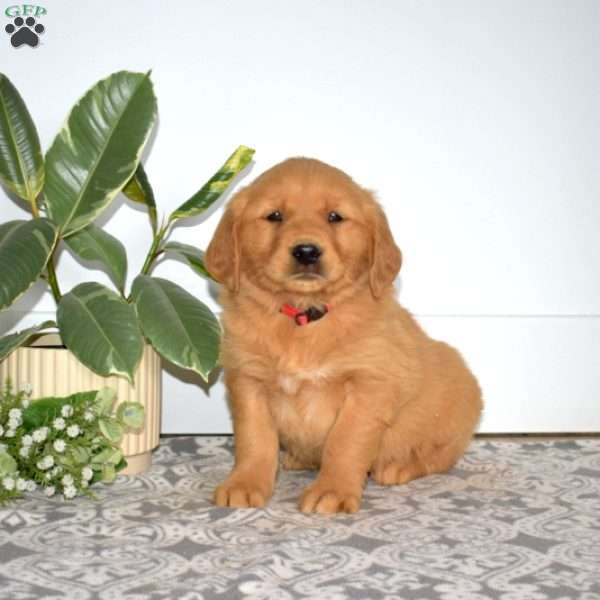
x=98, y=149
x=211, y=191
x=25, y=247
x=93, y=243
x=194, y=256
x=101, y=330
x=138, y=189
x=12, y=341
x=179, y=326
x=21, y=161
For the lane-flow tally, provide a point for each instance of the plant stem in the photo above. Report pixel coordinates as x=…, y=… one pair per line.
x=154, y=249
x=52, y=280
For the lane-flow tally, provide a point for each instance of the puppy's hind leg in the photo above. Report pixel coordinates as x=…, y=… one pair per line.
x=412, y=463
x=431, y=435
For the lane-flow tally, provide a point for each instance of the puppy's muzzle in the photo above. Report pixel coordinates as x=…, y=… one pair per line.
x=306, y=254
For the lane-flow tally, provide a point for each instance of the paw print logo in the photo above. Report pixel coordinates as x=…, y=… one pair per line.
x=24, y=32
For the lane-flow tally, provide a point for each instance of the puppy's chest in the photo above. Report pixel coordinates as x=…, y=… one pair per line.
x=304, y=404
x=289, y=382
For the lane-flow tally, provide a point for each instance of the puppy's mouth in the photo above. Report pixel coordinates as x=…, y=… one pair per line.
x=307, y=272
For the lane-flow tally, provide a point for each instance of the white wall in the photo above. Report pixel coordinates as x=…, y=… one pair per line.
x=478, y=124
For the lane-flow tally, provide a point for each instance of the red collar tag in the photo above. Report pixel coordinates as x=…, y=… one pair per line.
x=304, y=317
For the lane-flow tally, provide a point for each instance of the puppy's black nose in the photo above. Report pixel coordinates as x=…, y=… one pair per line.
x=306, y=254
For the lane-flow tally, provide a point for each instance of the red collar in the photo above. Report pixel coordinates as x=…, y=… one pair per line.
x=304, y=317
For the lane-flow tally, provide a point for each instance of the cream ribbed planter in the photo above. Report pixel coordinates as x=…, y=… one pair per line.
x=53, y=371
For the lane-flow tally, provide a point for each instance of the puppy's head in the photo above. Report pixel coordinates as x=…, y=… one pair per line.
x=304, y=228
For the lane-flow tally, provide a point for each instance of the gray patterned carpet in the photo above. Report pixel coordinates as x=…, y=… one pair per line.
x=513, y=521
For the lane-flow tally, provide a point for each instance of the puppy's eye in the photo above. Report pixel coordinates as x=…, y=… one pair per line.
x=275, y=217
x=334, y=217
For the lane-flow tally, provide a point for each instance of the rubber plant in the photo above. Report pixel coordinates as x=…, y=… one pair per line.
x=95, y=156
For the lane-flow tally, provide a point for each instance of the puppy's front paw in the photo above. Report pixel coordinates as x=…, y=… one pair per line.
x=326, y=497
x=237, y=493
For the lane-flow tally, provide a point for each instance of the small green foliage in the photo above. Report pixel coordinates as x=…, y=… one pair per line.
x=105, y=398
x=44, y=410
x=61, y=445
x=131, y=414
x=8, y=464
x=111, y=430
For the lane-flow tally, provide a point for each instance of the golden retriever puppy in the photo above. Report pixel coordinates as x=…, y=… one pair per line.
x=319, y=358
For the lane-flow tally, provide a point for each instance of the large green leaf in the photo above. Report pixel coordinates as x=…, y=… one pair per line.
x=12, y=341
x=194, y=256
x=93, y=243
x=216, y=185
x=100, y=329
x=98, y=149
x=25, y=247
x=179, y=326
x=139, y=190
x=21, y=163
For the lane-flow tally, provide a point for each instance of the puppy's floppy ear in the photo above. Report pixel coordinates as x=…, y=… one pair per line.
x=222, y=257
x=386, y=257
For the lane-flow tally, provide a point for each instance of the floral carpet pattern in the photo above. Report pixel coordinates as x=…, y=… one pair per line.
x=514, y=520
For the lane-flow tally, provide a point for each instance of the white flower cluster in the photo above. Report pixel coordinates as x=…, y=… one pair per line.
x=73, y=442
x=15, y=418
x=11, y=483
x=68, y=482
x=45, y=446
x=45, y=463
x=73, y=431
x=40, y=435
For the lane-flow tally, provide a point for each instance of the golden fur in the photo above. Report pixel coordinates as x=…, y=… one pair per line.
x=361, y=391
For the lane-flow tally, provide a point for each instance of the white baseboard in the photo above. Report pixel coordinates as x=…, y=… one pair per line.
x=539, y=374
